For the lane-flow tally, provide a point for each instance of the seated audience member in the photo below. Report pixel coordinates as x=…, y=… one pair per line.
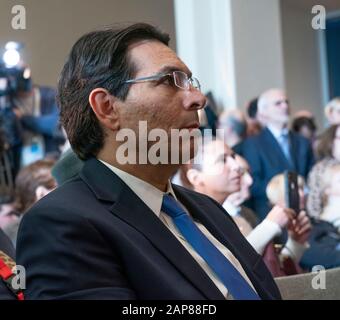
x=332, y=111
x=232, y=127
x=275, y=149
x=32, y=183
x=8, y=215
x=323, y=239
x=277, y=220
x=223, y=176
x=116, y=230
x=301, y=225
x=328, y=153
x=331, y=195
x=7, y=254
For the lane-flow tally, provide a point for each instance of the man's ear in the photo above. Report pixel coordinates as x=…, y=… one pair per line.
x=104, y=105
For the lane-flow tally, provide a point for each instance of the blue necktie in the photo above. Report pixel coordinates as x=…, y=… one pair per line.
x=284, y=143
x=231, y=278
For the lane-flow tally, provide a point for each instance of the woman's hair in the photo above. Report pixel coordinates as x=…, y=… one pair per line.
x=324, y=147
x=326, y=180
x=29, y=179
x=333, y=104
x=276, y=188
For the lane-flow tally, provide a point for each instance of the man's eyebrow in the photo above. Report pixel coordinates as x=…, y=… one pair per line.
x=168, y=69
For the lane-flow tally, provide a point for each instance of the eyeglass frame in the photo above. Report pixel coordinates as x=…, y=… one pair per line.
x=157, y=77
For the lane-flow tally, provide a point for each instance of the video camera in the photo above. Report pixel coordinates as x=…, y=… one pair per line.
x=14, y=78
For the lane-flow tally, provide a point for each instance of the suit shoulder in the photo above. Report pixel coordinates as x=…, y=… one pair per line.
x=190, y=193
x=68, y=197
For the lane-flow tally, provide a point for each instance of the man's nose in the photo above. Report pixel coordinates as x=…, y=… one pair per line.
x=194, y=99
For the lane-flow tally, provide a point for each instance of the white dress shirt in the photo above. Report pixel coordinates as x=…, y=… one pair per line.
x=153, y=198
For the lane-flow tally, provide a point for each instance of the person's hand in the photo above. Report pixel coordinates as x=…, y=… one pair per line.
x=280, y=215
x=18, y=113
x=300, y=228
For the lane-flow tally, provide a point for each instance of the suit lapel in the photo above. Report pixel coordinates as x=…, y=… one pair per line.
x=212, y=222
x=129, y=208
x=274, y=149
x=294, y=150
x=232, y=239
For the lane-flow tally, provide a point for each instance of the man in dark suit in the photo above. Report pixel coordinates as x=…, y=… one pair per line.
x=275, y=149
x=120, y=229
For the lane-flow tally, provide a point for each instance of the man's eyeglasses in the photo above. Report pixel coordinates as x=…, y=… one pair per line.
x=180, y=79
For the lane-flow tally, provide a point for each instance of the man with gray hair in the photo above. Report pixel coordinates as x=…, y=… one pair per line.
x=275, y=149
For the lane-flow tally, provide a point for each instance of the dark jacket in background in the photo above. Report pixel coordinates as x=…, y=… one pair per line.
x=324, y=248
x=266, y=159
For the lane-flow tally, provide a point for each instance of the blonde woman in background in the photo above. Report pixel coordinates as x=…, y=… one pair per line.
x=299, y=229
x=331, y=195
x=328, y=152
x=332, y=111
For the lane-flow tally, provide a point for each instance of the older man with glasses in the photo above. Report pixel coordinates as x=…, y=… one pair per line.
x=275, y=149
x=123, y=231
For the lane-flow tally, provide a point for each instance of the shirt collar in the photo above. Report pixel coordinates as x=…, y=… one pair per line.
x=149, y=194
x=276, y=132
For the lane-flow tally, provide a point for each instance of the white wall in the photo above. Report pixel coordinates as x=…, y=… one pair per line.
x=54, y=25
x=204, y=37
x=258, y=51
x=301, y=59
x=234, y=46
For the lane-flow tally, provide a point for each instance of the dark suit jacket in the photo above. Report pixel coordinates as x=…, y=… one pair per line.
x=6, y=247
x=266, y=159
x=93, y=238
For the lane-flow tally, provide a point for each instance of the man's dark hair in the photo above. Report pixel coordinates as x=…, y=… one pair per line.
x=300, y=122
x=252, y=108
x=97, y=59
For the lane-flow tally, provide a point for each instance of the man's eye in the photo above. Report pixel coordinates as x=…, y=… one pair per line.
x=168, y=80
